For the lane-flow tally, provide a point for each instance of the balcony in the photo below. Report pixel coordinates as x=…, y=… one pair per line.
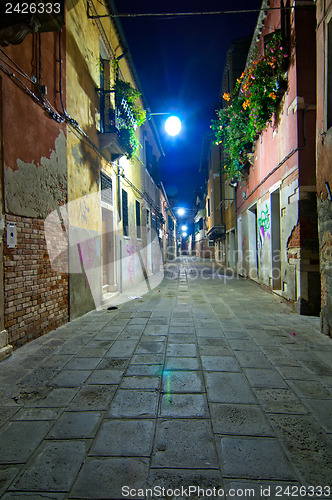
x=216, y=232
x=115, y=124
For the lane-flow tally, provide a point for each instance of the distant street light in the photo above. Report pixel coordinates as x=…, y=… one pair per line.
x=184, y=228
x=181, y=211
x=184, y=234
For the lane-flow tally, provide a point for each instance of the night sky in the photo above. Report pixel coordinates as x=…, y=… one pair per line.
x=179, y=62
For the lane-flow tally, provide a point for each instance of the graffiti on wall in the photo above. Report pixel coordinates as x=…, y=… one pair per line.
x=264, y=224
x=87, y=252
x=244, y=245
x=132, y=249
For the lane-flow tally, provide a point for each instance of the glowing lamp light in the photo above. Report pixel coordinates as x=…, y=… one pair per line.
x=184, y=228
x=184, y=234
x=181, y=211
x=173, y=125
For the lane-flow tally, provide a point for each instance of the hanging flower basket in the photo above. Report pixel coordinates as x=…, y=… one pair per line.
x=252, y=105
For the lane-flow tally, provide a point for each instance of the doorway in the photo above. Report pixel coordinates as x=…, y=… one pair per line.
x=108, y=274
x=253, y=241
x=275, y=237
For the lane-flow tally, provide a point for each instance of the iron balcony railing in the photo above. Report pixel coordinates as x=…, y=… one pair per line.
x=112, y=120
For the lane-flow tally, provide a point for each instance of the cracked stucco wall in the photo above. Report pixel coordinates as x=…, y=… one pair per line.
x=325, y=243
x=36, y=189
x=290, y=257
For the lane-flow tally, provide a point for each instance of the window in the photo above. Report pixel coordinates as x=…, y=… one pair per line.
x=125, y=212
x=153, y=222
x=106, y=188
x=138, y=219
x=147, y=217
x=285, y=21
x=208, y=208
x=158, y=226
x=104, y=85
x=211, y=243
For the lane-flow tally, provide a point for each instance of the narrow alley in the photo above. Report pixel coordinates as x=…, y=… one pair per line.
x=206, y=387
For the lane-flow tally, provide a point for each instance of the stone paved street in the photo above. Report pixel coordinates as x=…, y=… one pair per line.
x=206, y=381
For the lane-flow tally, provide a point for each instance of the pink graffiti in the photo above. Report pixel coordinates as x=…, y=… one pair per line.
x=131, y=250
x=244, y=245
x=87, y=253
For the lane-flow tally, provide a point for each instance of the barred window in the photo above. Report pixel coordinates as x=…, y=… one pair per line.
x=106, y=188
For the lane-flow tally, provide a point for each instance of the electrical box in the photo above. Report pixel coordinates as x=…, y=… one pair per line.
x=11, y=235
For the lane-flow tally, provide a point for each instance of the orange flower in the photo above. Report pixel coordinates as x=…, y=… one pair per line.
x=226, y=96
x=246, y=104
x=273, y=95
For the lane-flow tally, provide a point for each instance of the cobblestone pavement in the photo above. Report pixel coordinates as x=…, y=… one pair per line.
x=208, y=386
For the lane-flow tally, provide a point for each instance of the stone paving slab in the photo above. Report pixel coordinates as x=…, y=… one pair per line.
x=54, y=467
x=239, y=420
x=224, y=387
x=124, y=438
x=182, y=443
x=260, y=458
x=201, y=382
x=104, y=478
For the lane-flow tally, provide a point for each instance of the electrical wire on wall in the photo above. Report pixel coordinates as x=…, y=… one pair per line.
x=12, y=69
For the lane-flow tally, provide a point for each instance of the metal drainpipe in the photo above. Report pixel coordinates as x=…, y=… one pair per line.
x=118, y=232
x=118, y=191
x=221, y=205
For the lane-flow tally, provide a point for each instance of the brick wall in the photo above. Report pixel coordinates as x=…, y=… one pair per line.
x=36, y=295
x=294, y=239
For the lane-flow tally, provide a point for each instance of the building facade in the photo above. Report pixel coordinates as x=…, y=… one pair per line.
x=275, y=210
x=33, y=178
x=80, y=209
x=276, y=201
x=324, y=157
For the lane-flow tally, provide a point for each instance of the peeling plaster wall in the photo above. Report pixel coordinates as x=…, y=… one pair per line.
x=325, y=241
x=324, y=208
x=35, y=189
x=36, y=291
x=290, y=253
x=243, y=266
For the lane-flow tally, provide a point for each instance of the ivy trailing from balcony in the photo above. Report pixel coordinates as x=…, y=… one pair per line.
x=252, y=105
x=130, y=116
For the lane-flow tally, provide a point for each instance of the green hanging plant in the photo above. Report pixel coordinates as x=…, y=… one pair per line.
x=252, y=105
x=123, y=90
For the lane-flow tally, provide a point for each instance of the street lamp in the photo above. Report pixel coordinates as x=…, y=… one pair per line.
x=184, y=228
x=181, y=211
x=172, y=124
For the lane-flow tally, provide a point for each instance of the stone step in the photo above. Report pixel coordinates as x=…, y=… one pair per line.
x=5, y=348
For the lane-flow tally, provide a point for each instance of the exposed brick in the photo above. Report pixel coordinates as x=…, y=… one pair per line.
x=28, y=280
